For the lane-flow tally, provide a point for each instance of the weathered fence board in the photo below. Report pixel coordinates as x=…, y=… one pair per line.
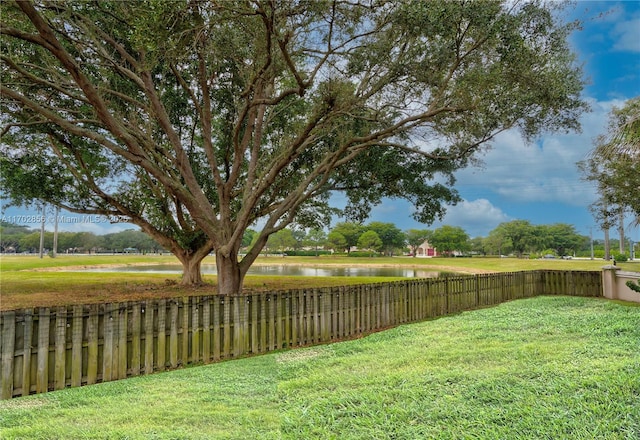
x=44, y=349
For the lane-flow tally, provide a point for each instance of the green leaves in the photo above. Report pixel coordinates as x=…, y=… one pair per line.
x=615, y=165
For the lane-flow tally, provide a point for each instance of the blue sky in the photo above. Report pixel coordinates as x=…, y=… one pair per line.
x=539, y=182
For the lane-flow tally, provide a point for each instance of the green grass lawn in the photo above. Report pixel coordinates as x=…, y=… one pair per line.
x=541, y=368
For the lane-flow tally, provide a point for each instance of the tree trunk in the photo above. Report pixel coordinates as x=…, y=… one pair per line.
x=191, y=265
x=191, y=272
x=230, y=276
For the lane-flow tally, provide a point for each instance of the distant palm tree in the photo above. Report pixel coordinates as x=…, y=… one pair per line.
x=623, y=138
x=615, y=158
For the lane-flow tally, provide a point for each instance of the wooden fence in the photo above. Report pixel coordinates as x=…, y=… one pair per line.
x=44, y=349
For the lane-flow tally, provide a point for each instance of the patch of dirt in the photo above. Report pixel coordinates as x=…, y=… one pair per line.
x=102, y=293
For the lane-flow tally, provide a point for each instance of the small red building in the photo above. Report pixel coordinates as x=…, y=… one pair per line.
x=426, y=250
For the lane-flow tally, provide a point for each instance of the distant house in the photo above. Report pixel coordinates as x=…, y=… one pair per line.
x=426, y=250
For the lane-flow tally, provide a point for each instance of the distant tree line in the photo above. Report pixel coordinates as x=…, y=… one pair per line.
x=519, y=238
x=21, y=239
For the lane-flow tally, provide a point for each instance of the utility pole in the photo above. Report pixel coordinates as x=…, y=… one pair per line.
x=621, y=230
x=55, y=233
x=591, y=239
x=42, y=230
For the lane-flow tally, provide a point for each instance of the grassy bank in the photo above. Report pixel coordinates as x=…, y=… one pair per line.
x=28, y=281
x=548, y=367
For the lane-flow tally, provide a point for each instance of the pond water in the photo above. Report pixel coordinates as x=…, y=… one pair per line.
x=288, y=270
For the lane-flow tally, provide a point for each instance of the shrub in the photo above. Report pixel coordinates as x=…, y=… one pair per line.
x=620, y=258
x=364, y=254
x=306, y=253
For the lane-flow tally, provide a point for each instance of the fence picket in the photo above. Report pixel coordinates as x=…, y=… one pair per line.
x=76, y=346
x=295, y=324
x=287, y=319
x=226, y=328
x=253, y=304
x=173, y=334
x=215, y=335
x=147, y=310
x=135, y=339
x=60, y=348
x=26, y=357
x=196, y=354
x=121, y=365
x=162, y=335
x=93, y=332
x=206, y=330
x=8, y=348
x=107, y=346
x=278, y=304
x=183, y=332
x=237, y=327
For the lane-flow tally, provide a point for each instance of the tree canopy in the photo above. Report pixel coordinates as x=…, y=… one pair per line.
x=614, y=166
x=520, y=237
x=448, y=239
x=213, y=117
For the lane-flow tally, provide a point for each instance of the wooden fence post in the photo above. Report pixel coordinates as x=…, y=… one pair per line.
x=123, y=333
x=216, y=327
x=147, y=310
x=196, y=355
x=226, y=327
x=162, y=335
x=107, y=346
x=206, y=330
x=278, y=305
x=183, y=332
x=173, y=334
x=135, y=339
x=60, y=348
x=237, y=327
x=26, y=362
x=76, y=345
x=8, y=348
x=93, y=331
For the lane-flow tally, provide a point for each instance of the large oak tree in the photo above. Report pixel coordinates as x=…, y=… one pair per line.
x=250, y=113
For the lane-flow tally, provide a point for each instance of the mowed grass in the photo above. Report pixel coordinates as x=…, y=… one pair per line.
x=543, y=368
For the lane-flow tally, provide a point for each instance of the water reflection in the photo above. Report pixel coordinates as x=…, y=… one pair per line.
x=289, y=270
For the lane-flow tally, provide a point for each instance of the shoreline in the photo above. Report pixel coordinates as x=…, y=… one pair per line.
x=263, y=263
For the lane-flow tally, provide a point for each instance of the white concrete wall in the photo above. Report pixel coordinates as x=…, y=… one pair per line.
x=614, y=283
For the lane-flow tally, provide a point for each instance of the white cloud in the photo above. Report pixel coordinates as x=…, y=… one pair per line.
x=627, y=36
x=545, y=172
x=476, y=217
